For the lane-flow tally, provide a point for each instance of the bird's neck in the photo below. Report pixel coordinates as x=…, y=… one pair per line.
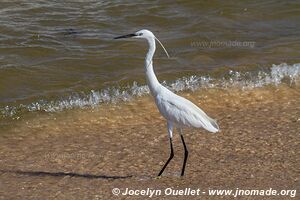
x=150, y=75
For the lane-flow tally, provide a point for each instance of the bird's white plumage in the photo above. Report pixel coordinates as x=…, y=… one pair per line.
x=183, y=112
x=176, y=109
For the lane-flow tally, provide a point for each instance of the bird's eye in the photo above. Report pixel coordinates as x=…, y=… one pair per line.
x=140, y=34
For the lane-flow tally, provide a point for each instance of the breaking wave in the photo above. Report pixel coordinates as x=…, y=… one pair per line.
x=243, y=80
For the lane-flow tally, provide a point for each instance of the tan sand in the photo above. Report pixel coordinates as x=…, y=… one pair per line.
x=85, y=154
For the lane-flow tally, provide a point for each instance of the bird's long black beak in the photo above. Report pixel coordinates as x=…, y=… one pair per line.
x=126, y=36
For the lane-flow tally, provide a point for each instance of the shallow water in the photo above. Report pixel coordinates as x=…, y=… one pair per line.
x=56, y=56
x=219, y=103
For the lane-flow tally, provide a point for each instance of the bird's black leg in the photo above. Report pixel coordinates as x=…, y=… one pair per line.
x=186, y=154
x=170, y=158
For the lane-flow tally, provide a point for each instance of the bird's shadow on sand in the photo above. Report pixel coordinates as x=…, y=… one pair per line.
x=62, y=174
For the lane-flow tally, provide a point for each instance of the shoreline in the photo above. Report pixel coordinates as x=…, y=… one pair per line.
x=227, y=78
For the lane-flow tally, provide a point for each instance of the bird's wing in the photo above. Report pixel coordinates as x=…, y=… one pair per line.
x=183, y=112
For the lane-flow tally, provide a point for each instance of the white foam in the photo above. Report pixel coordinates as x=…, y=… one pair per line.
x=247, y=80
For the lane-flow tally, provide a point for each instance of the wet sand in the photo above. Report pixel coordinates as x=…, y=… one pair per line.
x=85, y=154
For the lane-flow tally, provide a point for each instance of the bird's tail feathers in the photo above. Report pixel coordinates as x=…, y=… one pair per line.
x=211, y=125
x=215, y=125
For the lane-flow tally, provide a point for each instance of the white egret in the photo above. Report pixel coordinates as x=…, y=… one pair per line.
x=178, y=111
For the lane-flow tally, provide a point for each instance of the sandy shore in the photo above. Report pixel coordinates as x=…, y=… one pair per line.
x=85, y=154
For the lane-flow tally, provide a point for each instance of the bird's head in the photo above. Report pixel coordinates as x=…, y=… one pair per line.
x=139, y=34
x=146, y=34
